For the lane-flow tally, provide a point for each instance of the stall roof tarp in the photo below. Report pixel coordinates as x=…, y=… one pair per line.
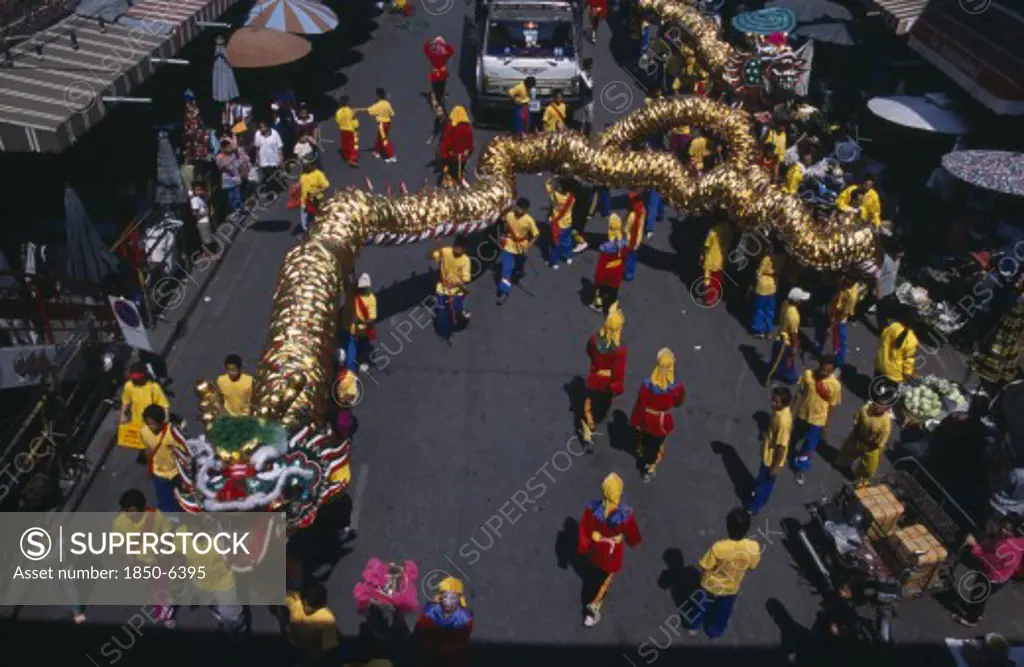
x=982, y=52
x=901, y=15
x=48, y=101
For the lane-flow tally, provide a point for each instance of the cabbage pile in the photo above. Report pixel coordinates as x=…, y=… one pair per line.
x=948, y=391
x=921, y=403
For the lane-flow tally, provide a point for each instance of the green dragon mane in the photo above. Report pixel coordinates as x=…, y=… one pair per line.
x=229, y=434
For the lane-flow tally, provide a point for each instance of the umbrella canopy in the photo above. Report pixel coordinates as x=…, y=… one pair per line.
x=294, y=16
x=1001, y=171
x=169, y=188
x=830, y=32
x=225, y=88
x=88, y=257
x=251, y=48
x=918, y=112
x=765, y=21
x=809, y=11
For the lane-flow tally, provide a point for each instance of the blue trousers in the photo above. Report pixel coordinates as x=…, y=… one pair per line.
x=234, y=196
x=811, y=435
x=763, y=487
x=165, y=500
x=563, y=249
x=655, y=210
x=630, y=271
x=712, y=612
x=521, y=119
x=448, y=314
x=839, y=340
x=782, y=365
x=764, y=314
x=604, y=202
x=356, y=347
x=510, y=266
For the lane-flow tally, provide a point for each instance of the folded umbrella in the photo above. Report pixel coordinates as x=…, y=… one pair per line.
x=225, y=88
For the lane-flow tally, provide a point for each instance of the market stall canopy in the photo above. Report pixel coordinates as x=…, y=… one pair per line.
x=294, y=16
x=983, y=52
x=225, y=88
x=927, y=113
x=813, y=11
x=251, y=48
x=88, y=257
x=765, y=21
x=830, y=32
x=999, y=171
x=900, y=15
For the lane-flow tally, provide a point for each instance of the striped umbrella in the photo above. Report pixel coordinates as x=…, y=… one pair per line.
x=294, y=16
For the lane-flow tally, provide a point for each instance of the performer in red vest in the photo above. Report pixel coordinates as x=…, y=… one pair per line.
x=597, y=9
x=607, y=373
x=444, y=627
x=457, y=142
x=605, y=524
x=438, y=52
x=651, y=417
x=611, y=266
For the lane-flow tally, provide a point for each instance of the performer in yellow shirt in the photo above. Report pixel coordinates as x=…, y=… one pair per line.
x=139, y=392
x=795, y=173
x=522, y=95
x=897, y=346
x=161, y=439
x=348, y=128
x=870, y=208
x=361, y=316
x=519, y=234
x=452, y=287
x=135, y=518
x=774, y=449
x=723, y=569
x=235, y=387
x=776, y=136
x=716, y=248
x=871, y=431
x=842, y=307
x=217, y=583
x=820, y=392
x=699, y=150
x=787, y=342
x=555, y=114
x=312, y=184
x=383, y=113
x=560, y=222
x=311, y=626
x=765, y=287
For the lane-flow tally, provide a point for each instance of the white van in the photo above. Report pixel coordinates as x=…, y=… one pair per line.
x=521, y=38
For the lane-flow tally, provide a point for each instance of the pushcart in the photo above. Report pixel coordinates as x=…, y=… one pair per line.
x=867, y=560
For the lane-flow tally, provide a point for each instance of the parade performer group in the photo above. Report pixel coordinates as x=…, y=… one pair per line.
x=607, y=523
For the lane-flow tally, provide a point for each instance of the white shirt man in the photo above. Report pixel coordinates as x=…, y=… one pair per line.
x=270, y=148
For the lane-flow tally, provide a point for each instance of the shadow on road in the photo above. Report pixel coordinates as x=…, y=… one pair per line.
x=742, y=479
x=679, y=579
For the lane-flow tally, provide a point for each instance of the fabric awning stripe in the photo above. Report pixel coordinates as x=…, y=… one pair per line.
x=901, y=14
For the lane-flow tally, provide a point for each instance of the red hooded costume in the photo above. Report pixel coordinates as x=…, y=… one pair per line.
x=456, y=140
x=621, y=521
x=611, y=264
x=607, y=367
x=651, y=412
x=438, y=52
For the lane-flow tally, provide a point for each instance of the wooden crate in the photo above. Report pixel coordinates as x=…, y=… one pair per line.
x=881, y=508
x=919, y=550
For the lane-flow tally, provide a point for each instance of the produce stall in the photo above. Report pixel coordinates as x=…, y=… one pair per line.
x=944, y=316
x=929, y=401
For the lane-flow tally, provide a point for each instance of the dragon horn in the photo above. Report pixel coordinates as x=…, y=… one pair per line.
x=369, y=184
x=402, y=188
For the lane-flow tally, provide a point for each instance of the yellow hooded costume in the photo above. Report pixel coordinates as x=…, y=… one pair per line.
x=665, y=370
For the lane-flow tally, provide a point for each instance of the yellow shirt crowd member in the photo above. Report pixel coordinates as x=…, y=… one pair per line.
x=216, y=576
x=236, y=394
x=778, y=139
x=315, y=632
x=347, y=390
x=766, y=281
x=312, y=183
x=794, y=177
x=150, y=521
x=726, y=563
x=844, y=304
x=789, y=324
x=382, y=112
x=346, y=119
x=870, y=204
x=699, y=151
x=815, y=408
x=160, y=449
x=716, y=245
x=896, y=361
x=136, y=398
x=554, y=117
x=867, y=440
x=519, y=233
x=455, y=272
x=561, y=207
x=779, y=432
x=519, y=93
x=364, y=312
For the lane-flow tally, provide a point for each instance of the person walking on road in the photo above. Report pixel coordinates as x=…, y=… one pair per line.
x=136, y=518
x=348, y=132
x=607, y=375
x=269, y=152
x=872, y=428
x=361, y=331
x=611, y=267
x=605, y=525
x=519, y=234
x=560, y=221
x=312, y=184
x=774, y=450
x=457, y=143
x=438, y=52
x=444, y=627
x=723, y=568
x=235, y=388
x=384, y=114
x=521, y=95
x=652, y=417
x=819, y=393
x=139, y=393
x=452, y=287
x=161, y=439
x=782, y=365
x=635, y=220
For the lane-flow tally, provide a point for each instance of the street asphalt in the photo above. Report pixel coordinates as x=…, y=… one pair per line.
x=465, y=459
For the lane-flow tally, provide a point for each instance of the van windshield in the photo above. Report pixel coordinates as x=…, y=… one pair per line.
x=530, y=39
